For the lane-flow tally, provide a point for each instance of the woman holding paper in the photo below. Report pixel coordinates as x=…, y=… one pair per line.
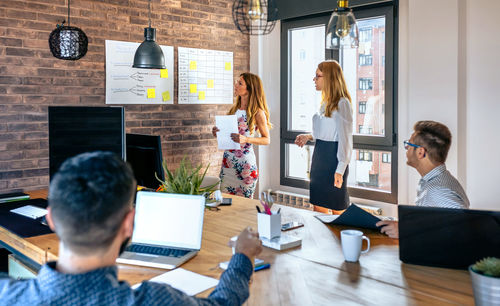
x=239, y=171
x=332, y=131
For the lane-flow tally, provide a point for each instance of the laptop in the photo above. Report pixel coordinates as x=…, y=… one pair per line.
x=167, y=231
x=447, y=237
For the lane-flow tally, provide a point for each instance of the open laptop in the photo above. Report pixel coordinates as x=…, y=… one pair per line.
x=447, y=237
x=167, y=231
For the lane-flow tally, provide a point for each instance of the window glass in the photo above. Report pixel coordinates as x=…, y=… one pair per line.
x=299, y=161
x=370, y=169
x=364, y=66
x=307, y=50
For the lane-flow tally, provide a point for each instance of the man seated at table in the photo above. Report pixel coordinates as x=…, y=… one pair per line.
x=426, y=151
x=91, y=210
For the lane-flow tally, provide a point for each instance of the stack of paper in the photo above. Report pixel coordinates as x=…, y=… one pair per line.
x=283, y=242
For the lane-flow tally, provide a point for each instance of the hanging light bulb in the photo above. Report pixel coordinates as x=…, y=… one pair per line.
x=67, y=42
x=254, y=10
x=342, y=30
x=149, y=54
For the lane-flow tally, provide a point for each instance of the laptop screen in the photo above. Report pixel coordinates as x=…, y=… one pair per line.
x=166, y=219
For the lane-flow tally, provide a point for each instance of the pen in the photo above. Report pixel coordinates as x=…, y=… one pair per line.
x=258, y=209
x=262, y=267
x=279, y=209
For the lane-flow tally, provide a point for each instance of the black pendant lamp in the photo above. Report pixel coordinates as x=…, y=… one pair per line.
x=149, y=55
x=67, y=42
x=251, y=16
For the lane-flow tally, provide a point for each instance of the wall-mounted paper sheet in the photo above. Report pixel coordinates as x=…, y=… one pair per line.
x=227, y=125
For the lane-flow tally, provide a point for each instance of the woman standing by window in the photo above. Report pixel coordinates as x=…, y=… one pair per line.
x=332, y=130
x=239, y=171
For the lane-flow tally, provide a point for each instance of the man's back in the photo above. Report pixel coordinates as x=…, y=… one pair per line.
x=439, y=188
x=101, y=287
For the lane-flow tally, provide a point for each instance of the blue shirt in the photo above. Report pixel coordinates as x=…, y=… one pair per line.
x=439, y=188
x=102, y=287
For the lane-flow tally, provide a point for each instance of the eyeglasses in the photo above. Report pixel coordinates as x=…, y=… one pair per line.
x=408, y=144
x=317, y=77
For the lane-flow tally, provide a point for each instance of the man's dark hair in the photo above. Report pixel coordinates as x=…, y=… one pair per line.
x=435, y=137
x=89, y=197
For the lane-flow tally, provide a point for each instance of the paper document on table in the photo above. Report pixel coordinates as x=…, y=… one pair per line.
x=186, y=281
x=227, y=125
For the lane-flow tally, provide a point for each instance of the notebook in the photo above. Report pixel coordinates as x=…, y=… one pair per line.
x=447, y=237
x=168, y=230
x=30, y=211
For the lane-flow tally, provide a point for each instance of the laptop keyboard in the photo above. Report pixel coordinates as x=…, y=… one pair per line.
x=156, y=250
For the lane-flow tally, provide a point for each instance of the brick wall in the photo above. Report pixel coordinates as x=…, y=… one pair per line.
x=31, y=79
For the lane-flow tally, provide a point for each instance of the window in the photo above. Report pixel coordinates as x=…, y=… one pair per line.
x=365, y=60
x=362, y=107
x=386, y=158
x=365, y=129
x=369, y=73
x=365, y=83
x=365, y=35
x=365, y=155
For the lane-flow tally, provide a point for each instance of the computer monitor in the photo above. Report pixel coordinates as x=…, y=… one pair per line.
x=79, y=129
x=145, y=157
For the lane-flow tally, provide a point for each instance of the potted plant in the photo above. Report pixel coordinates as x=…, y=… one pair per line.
x=485, y=275
x=186, y=179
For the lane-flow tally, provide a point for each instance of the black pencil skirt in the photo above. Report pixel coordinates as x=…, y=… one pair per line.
x=322, y=192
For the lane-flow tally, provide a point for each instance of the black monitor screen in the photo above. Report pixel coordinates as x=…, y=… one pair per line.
x=145, y=157
x=75, y=130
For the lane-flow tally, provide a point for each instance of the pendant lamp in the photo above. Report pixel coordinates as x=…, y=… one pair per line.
x=149, y=54
x=67, y=42
x=251, y=16
x=342, y=30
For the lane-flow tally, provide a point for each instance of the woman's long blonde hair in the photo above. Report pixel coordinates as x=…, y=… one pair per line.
x=334, y=86
x=256, y=100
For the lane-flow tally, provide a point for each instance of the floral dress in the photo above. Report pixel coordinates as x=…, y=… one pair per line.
x=239, y=171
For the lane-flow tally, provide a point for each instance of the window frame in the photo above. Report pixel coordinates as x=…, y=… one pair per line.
x=388, y=142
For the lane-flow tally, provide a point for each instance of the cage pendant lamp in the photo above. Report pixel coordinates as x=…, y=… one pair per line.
x=67, y=42
x=342, y=29
x=251, y=16
x=149, y=54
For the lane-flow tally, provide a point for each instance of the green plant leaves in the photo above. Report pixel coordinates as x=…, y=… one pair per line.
x=186, y=179
x=489, y=266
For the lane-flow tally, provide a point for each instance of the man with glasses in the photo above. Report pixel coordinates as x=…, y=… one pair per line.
x=426, y=151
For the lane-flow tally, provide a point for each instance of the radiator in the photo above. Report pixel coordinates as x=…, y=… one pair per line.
x=291, y=199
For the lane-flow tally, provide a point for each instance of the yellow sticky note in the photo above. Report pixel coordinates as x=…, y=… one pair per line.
x=166, y=96
x=228, y=66
x=192, y=88
x=210, y=83
x=192, y=65
x=201, y=95
x=151, y=93
x=164, y=73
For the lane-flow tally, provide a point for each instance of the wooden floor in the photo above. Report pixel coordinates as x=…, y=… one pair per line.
x=313, y=274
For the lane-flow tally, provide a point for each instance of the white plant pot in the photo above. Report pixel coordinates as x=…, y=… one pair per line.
x=486, y=289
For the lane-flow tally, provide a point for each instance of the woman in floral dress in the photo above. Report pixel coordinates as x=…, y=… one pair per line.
x=239, y=171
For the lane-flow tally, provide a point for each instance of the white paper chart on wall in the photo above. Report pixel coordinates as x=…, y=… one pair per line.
x=205, y=76
x=127, y=85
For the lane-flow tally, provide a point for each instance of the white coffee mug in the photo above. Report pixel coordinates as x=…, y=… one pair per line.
x=351, y=244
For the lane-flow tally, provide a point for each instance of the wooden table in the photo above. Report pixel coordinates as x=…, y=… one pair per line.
x=313, y=274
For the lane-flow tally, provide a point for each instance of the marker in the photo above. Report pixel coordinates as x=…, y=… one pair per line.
x=262, y=267
x=258, y=209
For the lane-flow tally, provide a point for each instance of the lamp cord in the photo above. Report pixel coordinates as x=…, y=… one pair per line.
x=68, y=12
x=149, y=14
